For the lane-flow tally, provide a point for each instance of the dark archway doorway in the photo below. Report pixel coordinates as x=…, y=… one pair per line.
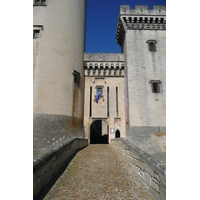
x=99, y=132
x=117, y=134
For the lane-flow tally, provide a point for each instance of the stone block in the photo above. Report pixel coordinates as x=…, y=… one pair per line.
x=155, y=194
x=162, y=192
x=155, y=184
x=145, y=177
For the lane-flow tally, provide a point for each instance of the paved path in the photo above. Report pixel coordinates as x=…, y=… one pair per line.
x=99, y=172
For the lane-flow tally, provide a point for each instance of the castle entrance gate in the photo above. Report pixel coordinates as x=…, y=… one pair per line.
x=99, y=132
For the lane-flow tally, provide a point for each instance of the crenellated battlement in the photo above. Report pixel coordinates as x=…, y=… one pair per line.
x=142, y=10
x=104, y=64
x=99, y=69
x=140, y=18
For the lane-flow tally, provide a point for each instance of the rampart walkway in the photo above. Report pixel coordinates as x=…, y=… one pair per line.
x=99, y=172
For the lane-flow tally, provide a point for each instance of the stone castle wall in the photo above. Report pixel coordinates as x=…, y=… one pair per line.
x=145, y=108
x=136, y=30
x=64, y=110
x=107, y=71
x=58, y=51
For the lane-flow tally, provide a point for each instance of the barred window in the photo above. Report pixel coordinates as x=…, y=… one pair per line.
x=36, y=33
x=37, y=2
x=151, y=45
x=37, y=30
x=155, y=86
x=40, y=2
x=43, y=2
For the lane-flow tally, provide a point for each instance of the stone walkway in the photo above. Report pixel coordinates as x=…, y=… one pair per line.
x=99, y=172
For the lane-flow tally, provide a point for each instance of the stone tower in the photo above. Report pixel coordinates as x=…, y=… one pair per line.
x=141, y=33
x=58, y=59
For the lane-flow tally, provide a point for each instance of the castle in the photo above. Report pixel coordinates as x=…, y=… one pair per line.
x=98, y=96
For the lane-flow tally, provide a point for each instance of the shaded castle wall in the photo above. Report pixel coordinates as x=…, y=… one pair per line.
x=57, y=53
x=47, y=169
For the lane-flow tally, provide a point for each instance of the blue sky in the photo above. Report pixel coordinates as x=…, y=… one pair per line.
x=101, y=23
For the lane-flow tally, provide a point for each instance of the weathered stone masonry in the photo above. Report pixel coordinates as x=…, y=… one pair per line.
x=138, y=30
x=150, y=170
x=50, y=164
x=66, y=81
x=58, y=49
x=105, y=71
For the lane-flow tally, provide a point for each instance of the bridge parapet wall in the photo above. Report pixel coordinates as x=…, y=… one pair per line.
x=47, y=168
x=151, y=171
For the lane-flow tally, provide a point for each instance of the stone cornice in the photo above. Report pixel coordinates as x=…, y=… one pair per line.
x=100, y=69
x=103, y=57
x=140, y=18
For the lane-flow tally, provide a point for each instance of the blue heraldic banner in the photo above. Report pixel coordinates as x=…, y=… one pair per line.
x=98, y=94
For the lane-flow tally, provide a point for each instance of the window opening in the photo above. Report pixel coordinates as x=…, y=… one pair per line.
x=37, y=2
x=99, y=93
x=40, y=3
x=152, y=45
x=43, y=2
x=77, y=78
x=155, y=86
x=36, y=34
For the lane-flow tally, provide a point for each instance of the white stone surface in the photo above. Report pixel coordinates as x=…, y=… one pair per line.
x=145, y=108
x=58, y=52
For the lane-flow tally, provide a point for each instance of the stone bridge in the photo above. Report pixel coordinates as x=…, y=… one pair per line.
x=99, y=171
